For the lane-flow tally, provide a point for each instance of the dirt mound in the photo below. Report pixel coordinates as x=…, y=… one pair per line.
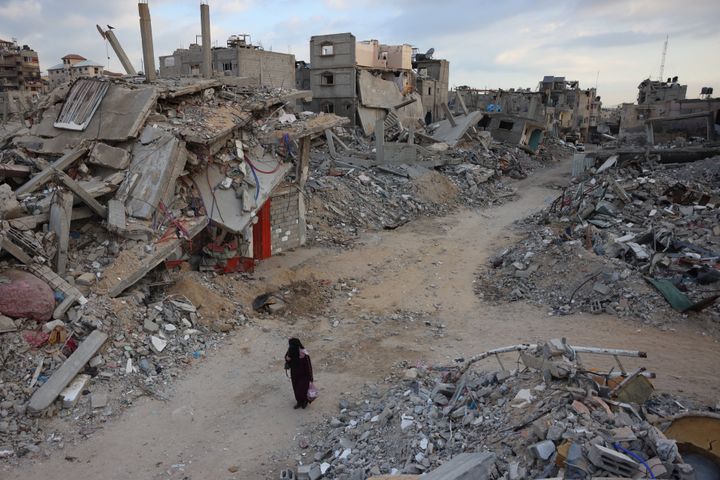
x=435, y=188
x=213, y=310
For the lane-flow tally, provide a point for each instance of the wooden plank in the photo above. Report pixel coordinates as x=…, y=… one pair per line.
x=449, y=115
x=330, y=143
x=304, y=163
x=86, y=198
x=47, y=394
x=15, y=251
x=31, y=222
x=59, y=165
x=60, y=216
x=14, y=170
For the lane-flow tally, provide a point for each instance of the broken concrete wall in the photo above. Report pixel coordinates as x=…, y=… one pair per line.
x=272, y=69
x=287, y=219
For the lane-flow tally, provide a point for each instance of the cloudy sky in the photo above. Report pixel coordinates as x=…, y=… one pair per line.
x=511, y=43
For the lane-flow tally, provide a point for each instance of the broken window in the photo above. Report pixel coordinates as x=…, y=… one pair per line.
x=327, y=78
x=227, y=67
x=506, y=125
x=328, y=108
x=429, y=90
x=327, y=49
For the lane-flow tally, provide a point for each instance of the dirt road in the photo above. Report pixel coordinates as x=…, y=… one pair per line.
x=234, y=409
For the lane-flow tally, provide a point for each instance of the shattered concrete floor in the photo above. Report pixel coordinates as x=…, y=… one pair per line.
x=399, y=296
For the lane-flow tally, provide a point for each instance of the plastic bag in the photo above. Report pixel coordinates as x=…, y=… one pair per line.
x=312, y=392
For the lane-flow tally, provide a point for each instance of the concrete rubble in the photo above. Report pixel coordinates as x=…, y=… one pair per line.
x=109, y=194
x=576, y=423
x=627, y=238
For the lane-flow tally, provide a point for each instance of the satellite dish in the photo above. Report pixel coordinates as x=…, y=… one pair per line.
x=429, y=53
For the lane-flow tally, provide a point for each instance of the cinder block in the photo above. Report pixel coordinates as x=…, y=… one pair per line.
x=612, y=461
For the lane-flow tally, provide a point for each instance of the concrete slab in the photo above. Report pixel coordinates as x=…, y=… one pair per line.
x=224, y=206
x=120, y=117
x=466, y=466
x=104, y=155
x=47, y=394
x=152, y=174
x=71, y=393
x=452, y=134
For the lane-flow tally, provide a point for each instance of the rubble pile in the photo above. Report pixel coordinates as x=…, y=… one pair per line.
x=103, y=182
x=348, y=196
x=626, y=240
x=552, y=418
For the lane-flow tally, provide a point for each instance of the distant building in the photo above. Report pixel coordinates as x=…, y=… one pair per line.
x=239, y=58
x=570, y=111
x=432, y=82
x=19, y=68
x=73, y=66
x=653, y=91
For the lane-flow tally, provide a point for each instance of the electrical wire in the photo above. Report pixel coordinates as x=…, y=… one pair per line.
x=635, y=457
x=262, y=171
x=257, y=180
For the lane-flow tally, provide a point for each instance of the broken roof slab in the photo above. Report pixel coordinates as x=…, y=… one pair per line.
x=451, y=135
x=120, y=117
x=223, y=205
x=152, y=174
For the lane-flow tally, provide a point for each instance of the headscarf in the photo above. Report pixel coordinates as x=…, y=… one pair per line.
x=294, y=349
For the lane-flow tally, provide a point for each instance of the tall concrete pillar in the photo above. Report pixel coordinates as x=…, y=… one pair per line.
x=147, y=41
x=206, y=45
x=109, y=35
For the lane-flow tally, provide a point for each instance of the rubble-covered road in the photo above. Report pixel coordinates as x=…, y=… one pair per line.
x=410, y=298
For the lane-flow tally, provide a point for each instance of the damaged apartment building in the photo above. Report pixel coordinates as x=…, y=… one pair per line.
x=366, y=81
x=572, y=112
x=663, y=113
x=514, y=116
x=239, y=58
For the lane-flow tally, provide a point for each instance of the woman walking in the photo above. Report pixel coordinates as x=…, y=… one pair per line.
x=301, y=374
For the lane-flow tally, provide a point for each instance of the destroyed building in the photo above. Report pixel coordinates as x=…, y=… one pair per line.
x=73, y=66
x=571, y=112
x=19, y=68
x=356, y=79
x=656, y=91
x=432, y=82
x=663, y=114
x=240, y=58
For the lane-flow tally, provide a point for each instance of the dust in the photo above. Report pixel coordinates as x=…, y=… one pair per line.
x=435, y=188
x=214, y=310
x=127, y=262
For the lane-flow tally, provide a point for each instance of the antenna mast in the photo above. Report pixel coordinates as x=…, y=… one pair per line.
x=662, y=62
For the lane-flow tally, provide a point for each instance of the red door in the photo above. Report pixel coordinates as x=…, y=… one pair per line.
x=262, y=235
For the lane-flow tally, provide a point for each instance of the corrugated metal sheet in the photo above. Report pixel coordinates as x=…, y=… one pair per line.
x=81, y=103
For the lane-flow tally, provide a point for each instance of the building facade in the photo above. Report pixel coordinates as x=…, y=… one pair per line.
x=652, y=91
x=336, y=63
x=73, y=66
x=571, y=112
x=19, y=68
x=239, y=58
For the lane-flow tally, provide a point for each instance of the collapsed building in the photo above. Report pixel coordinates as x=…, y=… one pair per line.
x=361, y=80
x=571, y=112
x=240, y=58
x=663, y=114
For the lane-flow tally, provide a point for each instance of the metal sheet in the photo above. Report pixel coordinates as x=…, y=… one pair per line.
x=81, y=103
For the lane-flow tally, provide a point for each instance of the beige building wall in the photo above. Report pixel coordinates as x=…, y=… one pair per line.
x=269, y=68
x=397, y=56
x=367, y=54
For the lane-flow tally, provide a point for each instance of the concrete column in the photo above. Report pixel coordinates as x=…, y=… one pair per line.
x=60, y=215
x=206, y=67
x=147, y=42
x=109, y=35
